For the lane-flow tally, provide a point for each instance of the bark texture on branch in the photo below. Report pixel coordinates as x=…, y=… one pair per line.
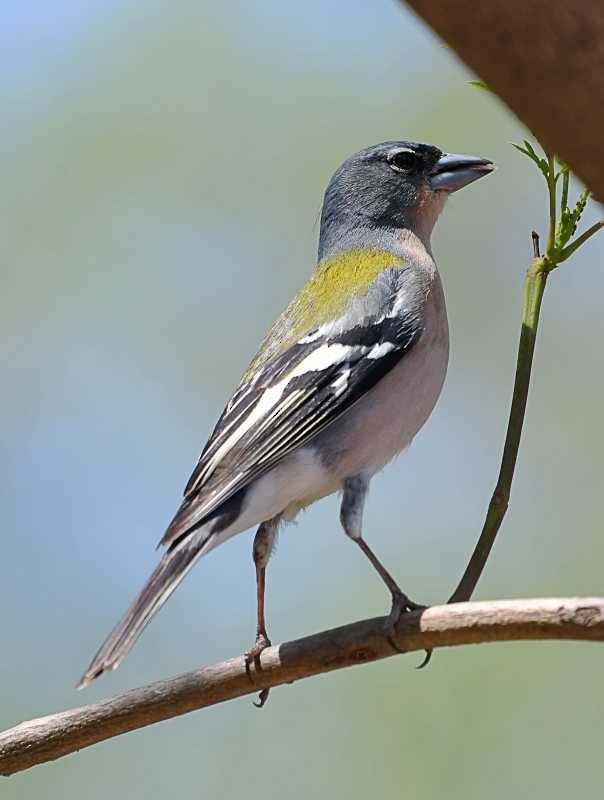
x=545, y=59
x=47, y=738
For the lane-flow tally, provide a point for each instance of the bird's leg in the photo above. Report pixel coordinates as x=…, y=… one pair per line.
x=264, y=542
x=351, y=516
x=400, y=601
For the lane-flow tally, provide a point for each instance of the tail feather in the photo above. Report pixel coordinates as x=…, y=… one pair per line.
x=170, y=571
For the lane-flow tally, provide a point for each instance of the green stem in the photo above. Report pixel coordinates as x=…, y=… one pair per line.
x=534, y=286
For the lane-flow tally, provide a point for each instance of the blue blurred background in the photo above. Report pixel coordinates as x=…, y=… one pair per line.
x=162, y=172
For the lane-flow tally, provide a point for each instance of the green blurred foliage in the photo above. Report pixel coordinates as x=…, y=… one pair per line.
x=162, y=171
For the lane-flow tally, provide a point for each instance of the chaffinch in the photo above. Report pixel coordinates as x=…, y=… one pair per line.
x=343, y=381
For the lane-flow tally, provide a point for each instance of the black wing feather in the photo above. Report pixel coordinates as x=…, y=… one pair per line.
x=305, y=414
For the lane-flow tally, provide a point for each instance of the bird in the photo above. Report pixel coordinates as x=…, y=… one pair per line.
x=344, y=380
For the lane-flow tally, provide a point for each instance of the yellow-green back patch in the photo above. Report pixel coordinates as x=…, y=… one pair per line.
x=334, y=282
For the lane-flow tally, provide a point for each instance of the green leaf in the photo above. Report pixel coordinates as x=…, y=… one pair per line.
x=564, y=171
x=479, y=85
x=564, y=229
x=579, y=209
x=569, y=220
x=541, y=163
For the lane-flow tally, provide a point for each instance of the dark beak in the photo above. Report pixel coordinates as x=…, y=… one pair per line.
x=453, y=172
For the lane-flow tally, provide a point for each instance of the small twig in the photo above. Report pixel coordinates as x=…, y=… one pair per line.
x=48, y=738
x=535, y=238
x=551, y=186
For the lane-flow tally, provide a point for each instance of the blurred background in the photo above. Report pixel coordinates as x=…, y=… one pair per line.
x=162, y=171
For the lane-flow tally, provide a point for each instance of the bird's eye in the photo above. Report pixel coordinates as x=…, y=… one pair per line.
x=404, y=160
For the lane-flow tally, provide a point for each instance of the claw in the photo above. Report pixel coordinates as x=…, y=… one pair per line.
x=262, y=698
x=425, y=660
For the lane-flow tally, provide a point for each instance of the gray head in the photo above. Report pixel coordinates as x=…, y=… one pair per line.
x=392, y=186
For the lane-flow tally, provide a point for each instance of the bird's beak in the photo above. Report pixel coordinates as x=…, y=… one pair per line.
x=453, y=172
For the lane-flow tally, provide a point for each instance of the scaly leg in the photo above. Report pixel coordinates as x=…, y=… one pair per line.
x=264, y=542
x=351, y=516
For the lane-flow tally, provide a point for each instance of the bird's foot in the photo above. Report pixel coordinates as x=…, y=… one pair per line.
x=401, y=604
x=261, y=643
x=253, y=655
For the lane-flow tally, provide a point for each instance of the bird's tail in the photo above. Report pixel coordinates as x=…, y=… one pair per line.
x=170, y=571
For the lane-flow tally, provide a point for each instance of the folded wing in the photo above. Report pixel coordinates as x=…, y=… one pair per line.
x=298, y=393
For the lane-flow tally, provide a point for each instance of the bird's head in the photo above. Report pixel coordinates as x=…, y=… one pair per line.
x=394, y=185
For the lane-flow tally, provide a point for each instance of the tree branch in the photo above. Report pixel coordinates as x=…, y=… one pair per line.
x=47, y=738
x=545, y=59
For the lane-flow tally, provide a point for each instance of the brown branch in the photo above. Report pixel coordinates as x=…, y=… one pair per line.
x=44, y=739
x=545, y=59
